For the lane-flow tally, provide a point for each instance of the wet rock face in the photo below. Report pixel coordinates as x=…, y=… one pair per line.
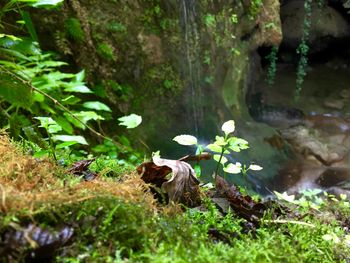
x=327, y=24
x=322, y=147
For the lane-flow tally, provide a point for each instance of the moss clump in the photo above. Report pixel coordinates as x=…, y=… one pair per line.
x=106, y=51
x=116, y=26
x=74, y=30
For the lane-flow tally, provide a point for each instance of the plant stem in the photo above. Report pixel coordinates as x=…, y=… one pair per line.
x=52, y=146
x=219, y=162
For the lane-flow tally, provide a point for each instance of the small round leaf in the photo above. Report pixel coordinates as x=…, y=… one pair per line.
x=186, y=139
x=233, y=168
x=223, y=160
x=228, y=127
x=131, y=121
x=255, y=167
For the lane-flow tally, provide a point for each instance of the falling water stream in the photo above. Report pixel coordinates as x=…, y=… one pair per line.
x=191, y=59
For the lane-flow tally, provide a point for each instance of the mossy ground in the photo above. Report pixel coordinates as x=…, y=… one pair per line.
x=116, y=219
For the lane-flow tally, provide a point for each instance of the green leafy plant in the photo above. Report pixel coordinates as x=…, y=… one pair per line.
x=48, y=94
x=303, y=49
x=209, y=20
x=131, y=121
x=308, y=199
x=271, y=71
x=222, y=146
x=254, y=8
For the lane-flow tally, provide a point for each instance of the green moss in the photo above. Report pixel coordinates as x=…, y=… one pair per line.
x=106, y=51
x=116, y=26
x=74, y=30
x=163, y=79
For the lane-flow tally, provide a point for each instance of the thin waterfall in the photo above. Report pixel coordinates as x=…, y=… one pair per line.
x=191, y=69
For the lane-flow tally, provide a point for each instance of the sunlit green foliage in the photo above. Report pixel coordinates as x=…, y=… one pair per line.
x=49, y=95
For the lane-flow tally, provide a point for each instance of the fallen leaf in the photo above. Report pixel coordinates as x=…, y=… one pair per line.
x=244, y=206
x=82, y=168
x=182, y=187
x=41, y=243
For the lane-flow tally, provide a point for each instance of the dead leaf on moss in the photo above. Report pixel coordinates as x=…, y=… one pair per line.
x=82, y=168
x=42, y=243
x=182, y=187
x=244, y=206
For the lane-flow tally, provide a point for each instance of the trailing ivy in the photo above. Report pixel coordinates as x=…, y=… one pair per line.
x=303, y=49
x=271, y=71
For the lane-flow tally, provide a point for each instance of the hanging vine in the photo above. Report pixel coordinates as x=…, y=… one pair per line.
x=271, y=71
x=303, y=49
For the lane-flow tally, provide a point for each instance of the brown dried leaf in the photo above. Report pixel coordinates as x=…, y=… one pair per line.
x=244, y=206
x=40, y=243
x=80, y=166
x=182, y=186
x=153, y=174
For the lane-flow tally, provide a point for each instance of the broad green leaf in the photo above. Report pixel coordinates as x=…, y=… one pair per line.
x=51, y=64
x=96, y=105
x=216, y=148
x=70, y=138
x=56, y=75
x=77, y=88
x=10, y=88
x=185, y=139
x=38, y=97
x=80, y=76
x=71, y=100
x=235, y=148
x=12, y=37
x=65, y=144
x=131, y=121
x=233, y=168
x=64, y=123
x=24, y=46
x=41, y=3
x=238, y=144
x=219, y=140
x=284, y=196
x=29, y=25
x=216, y=157
x=49, y=124
x=255, y=167
x=41, y=154
x=12, y=53
x=228, y=127
x=83, y=116
x=47, y=108
x=197, y=169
